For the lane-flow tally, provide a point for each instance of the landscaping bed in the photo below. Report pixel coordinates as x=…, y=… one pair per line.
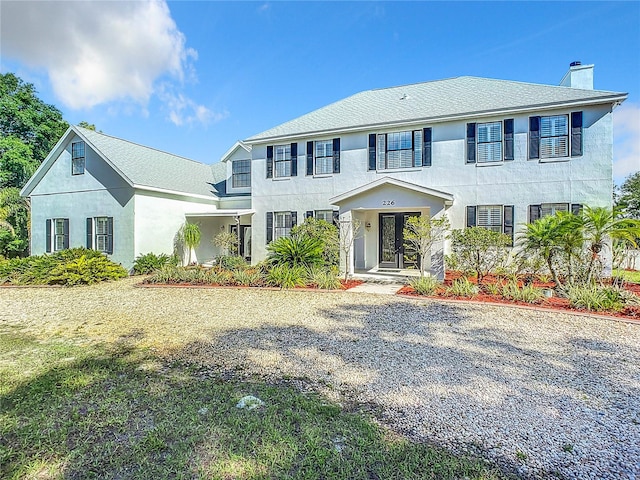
x=631, y=312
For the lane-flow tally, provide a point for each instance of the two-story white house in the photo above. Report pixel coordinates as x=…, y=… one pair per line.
x=485, y=152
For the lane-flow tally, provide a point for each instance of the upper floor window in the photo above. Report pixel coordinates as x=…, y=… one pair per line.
x=282, y=158
x=554, y=137
x=400, y=149
x=77, y=158
x=324, y=157
x=241, y=173
x=490, y=142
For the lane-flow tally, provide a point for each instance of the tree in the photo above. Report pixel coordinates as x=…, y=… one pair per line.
x=191, y=236
x=16, y=162
x=327, y=233
x=479, y=250
x=14, y=223
x=349, y=230
x=423, y=232
x=87, y=125
x=227, y=241
x=24, y=116
x=629, y=198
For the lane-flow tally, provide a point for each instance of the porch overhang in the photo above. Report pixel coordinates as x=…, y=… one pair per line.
x=222, y=213
x=447, y=198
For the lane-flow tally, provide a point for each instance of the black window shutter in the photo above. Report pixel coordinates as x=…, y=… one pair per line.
x=336, y=155
x=309, y=214
x=471, y=216
x=294, y=159
x=372, y=151
x=508, y=139
x=336, y=217
x=534, y=137
x=294, y=219
x=65, y=230
x=576, y=134
x=508, y=221
x=309, y=158
x=270, y=161
x=269, y=227
x=110, y=235
x=534, y=213
x=426, y=148
x=89, y=233
x=471, y=143
x=48, y=235
x=576, y=208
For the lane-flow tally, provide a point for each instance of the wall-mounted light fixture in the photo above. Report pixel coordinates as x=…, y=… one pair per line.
x=367, y=226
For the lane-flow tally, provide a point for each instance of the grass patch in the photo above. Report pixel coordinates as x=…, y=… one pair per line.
x=71, y=411
x=632, y=276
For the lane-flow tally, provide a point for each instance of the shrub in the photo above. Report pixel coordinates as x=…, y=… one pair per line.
x=479, y=250
x=492, y=288
x=68, y=267
x=228, y=241
x=295, y=251
x=150, y=262
x=598, y=298
x=527, y=293
x=248, y=278
x=231, y=262
x=323, y=278
x=425, y=285
x=324, y=231
x=462, y=287
x=285, y=276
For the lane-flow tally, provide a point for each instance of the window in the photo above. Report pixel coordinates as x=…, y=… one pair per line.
x=77, y=158
x=326, y=215
x=547, y=209
x=399, y=150
x=241, y=173
x=100, y=234
x=489, y=142
x=324, y=157
x=283, y=222
x=554, y=136
x=282, y=157
x=57, y=234
x=490, y=217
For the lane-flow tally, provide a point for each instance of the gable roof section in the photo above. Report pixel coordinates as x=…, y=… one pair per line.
x=433, y=101
x=444, y=196
x=142, y=167
x=234, y=148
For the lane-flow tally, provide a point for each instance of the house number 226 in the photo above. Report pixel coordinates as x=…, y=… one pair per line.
x=388, y=202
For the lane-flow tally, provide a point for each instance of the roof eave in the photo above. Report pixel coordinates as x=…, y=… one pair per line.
x=447, y=198
x=615, y=99
x=147, y=188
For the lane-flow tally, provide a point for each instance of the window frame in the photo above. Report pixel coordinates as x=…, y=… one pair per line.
x=416, y=149
x=499, y=142
x=327, y=158
x=490, y=225
x=244, y=175
x=78, y=162
x=287, y=160
x=283, y=231
x=101, y=236
x=55, y=235
x=565, y=135
x=565, y=207
x=322, y=215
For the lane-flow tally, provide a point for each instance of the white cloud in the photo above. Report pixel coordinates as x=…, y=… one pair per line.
x=626, y=148
x=184, y=111
x=99, y=52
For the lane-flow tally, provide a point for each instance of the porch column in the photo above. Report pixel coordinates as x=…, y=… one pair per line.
x=437, y=253
x=347, y=238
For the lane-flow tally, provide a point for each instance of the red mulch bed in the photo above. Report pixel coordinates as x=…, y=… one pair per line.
x=553, y=303
x=346, y=285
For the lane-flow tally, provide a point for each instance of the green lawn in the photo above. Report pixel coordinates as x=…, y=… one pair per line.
x=629, y=276
x=76, y=411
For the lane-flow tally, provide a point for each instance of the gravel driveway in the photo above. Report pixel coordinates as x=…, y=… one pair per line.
x=544, y=393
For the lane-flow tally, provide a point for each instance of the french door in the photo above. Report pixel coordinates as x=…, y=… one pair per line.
x=244, y=246
x=394, y=252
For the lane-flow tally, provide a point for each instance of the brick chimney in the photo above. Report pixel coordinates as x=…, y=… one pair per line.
x=578, y=76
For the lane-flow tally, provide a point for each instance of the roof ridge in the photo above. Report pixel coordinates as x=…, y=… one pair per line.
x=140, y=145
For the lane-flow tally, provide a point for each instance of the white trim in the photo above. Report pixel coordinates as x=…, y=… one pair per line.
x=446, y=197
x=232, y=150
x=175, y=192
x=222, y=213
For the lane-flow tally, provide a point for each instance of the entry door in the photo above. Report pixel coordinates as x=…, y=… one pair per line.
x=245, y=240
x=393, y=251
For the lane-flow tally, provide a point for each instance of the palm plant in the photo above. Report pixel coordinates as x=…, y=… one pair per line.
x=301, y=250
x=191, y=236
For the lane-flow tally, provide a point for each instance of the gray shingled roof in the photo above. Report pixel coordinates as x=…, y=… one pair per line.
x=145, y=166
x=431, y=101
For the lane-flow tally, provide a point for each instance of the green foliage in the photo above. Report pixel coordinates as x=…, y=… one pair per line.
x=492, y=288
x=600, y=298
x=423, y=232
x=629, y=198
x=68, y=267
x=249, y=277
x=26, y=118
x=526, y=293
x=190, y=235
x=327, y=233
x=479, y=250
x=231, y=262
x=300, y=250
x=14, y=223
x=227, y=241
x=425, y=285
x=16, y=162
x=286, y=276
x=324, y=278
x=151, y=262
x=462, y=287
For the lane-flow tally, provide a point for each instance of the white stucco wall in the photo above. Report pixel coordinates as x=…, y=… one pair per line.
x=521, y=182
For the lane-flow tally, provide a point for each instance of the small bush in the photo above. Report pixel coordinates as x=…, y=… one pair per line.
x=231, y=262
x=150, y=262
x=85, y=271
x=301, y=250
x=324, y=278
x=327, y=233
x=527, y=293
x=462, y=287
x=492, y=288
x=425, y=285
x=248, y=278
x=598, y=298
x=284, y=276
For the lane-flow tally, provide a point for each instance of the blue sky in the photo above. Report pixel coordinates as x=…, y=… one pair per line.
x=193, y=77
